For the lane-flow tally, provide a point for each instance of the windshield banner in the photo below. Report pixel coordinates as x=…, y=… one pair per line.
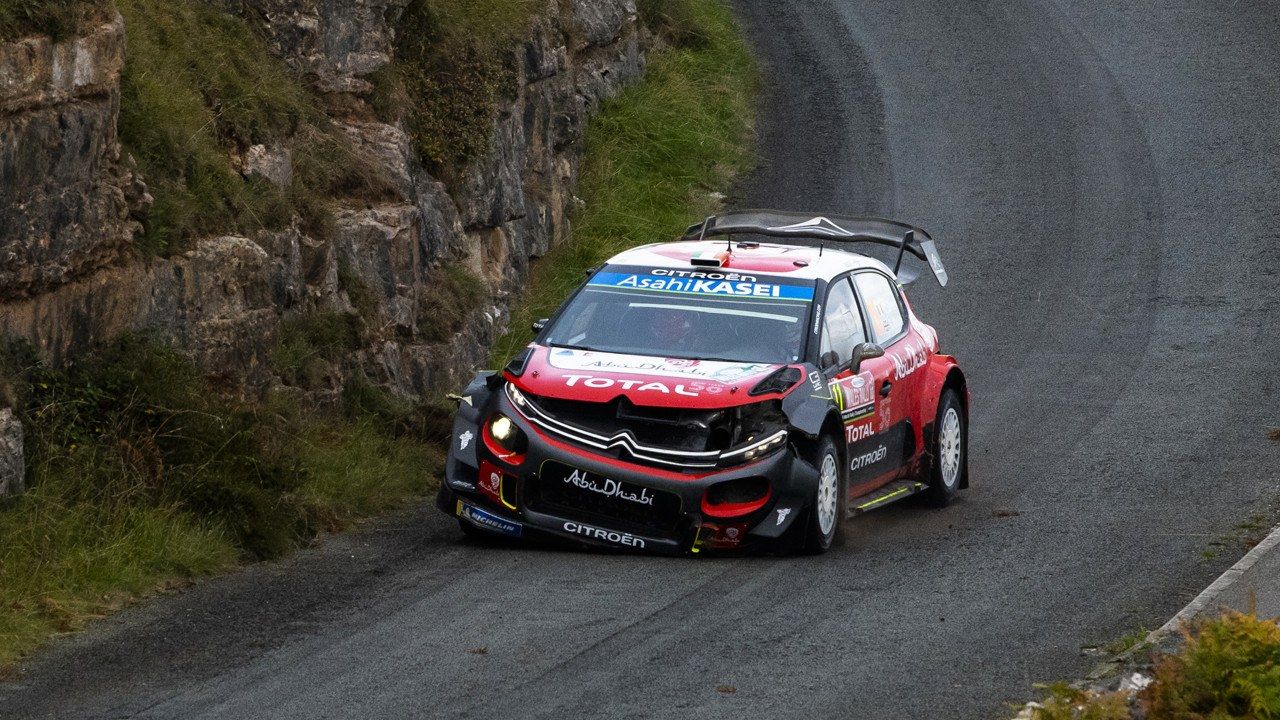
x=697, y=282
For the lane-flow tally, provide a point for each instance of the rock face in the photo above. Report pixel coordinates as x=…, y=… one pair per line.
x=226, y=299
x=12, y=466
x=67, y=202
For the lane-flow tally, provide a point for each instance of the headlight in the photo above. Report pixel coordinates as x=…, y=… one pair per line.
x=517, y=397
x=509, y=438
x=758, y=429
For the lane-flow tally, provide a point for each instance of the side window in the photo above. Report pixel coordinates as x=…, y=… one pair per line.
x=842, y=323
x=880, y=298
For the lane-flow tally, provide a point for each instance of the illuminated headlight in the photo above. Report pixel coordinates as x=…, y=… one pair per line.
x=757, y=449
x=507, y=435
x=516, y=396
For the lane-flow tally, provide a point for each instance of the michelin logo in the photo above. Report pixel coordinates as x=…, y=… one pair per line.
x=489, y=521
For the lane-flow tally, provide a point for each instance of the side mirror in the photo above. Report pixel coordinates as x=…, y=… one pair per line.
x=829, y=358
x=540, y=325
x=864, y=351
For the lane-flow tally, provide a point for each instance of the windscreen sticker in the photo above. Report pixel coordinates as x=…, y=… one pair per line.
x=566, y=359
x=730, y=285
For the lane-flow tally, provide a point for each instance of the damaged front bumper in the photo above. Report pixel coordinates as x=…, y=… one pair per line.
x=568, y=492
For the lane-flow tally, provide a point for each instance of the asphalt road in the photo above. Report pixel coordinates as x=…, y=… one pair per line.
x=1101, y=176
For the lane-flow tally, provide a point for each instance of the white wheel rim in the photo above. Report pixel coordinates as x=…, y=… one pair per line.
x=949, y=447
x=827, y=492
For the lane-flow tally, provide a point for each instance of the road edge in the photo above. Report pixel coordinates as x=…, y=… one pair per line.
x=1243, y=571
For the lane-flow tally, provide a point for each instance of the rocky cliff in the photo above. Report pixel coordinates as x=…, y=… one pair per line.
x=71, y=275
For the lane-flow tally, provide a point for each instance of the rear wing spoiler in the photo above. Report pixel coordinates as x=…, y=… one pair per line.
x=824, y=228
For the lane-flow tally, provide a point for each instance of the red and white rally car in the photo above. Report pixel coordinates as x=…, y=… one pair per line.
x=718, y=392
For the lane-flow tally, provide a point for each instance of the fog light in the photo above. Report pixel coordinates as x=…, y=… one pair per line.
x=502, y=428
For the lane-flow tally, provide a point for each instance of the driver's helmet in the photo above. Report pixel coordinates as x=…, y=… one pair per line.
x=670, y=326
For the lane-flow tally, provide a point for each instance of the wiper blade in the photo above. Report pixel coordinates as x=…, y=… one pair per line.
x=573, y=347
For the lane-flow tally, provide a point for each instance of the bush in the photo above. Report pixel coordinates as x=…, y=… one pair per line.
x=1228, y=669
x=454, y=294
x=453, y=63
x=140, y=472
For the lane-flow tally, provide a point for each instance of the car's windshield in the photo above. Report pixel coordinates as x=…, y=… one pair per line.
x=692, y=314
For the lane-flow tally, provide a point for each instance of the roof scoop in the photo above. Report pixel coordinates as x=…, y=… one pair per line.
x=710, y=258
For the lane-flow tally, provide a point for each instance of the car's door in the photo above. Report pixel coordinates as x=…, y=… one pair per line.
x=869, y=456
x=897, y=373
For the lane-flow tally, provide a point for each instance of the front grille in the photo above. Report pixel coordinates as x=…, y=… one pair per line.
x=550, y=492
x=672, y=428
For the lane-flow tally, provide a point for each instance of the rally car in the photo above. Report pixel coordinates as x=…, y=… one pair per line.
x=719, y=393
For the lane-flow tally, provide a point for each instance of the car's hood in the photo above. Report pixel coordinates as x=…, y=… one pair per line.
x=642, y=379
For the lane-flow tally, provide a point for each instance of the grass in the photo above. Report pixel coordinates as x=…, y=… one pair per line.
x=653, y=155
x=453, y=63
x=57, y=18
x=1227, y=669
x=456, y=293
x=198, y=83
x=140, y=474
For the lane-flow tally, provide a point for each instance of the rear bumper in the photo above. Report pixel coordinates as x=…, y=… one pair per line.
x=687, y=528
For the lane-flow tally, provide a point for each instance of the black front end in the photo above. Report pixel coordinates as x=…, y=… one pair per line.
x=555, y=473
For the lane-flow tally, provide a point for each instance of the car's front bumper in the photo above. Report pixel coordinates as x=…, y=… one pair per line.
x=515, y=509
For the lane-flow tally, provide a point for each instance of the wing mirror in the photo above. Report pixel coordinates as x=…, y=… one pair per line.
x=864, y=351
x=829, y=358
x=540, y=325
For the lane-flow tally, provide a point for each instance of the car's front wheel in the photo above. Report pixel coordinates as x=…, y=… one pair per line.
x=828, y=501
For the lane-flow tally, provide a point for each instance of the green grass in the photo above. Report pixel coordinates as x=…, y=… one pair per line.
x=453, y=63
x=140, y=473
x=199, y=82
x=653, y=156
x=58, y=18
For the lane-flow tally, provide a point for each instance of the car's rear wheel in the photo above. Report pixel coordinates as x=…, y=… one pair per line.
x=950, y=447
x=827, y=508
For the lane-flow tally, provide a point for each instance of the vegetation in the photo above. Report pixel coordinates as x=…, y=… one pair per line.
x=198, y=84
x=59, y=18
x=453, y=62
x=456, y=292
x=140, y=474
x=654, y=154
x=1228, y=669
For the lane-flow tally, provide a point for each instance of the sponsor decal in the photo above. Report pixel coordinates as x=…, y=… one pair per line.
x=817, y=319
x=855, y=396
x=488, y=520
x=661, y=281
x=886, y=414
x=464, y=440
x=909, y=358
x=782, y=515
x=815, y=378
x=714, y=275
x=866, y=460
x=718, y=371
x=731, y=533
x=599, y=383
x=491, y=481
x=595, y=533
x=609, y=488
x=854, y=433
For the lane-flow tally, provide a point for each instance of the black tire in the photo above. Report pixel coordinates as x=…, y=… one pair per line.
x=949, y=446
x=823, y=525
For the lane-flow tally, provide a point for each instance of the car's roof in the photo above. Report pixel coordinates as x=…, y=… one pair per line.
x=802, y=262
